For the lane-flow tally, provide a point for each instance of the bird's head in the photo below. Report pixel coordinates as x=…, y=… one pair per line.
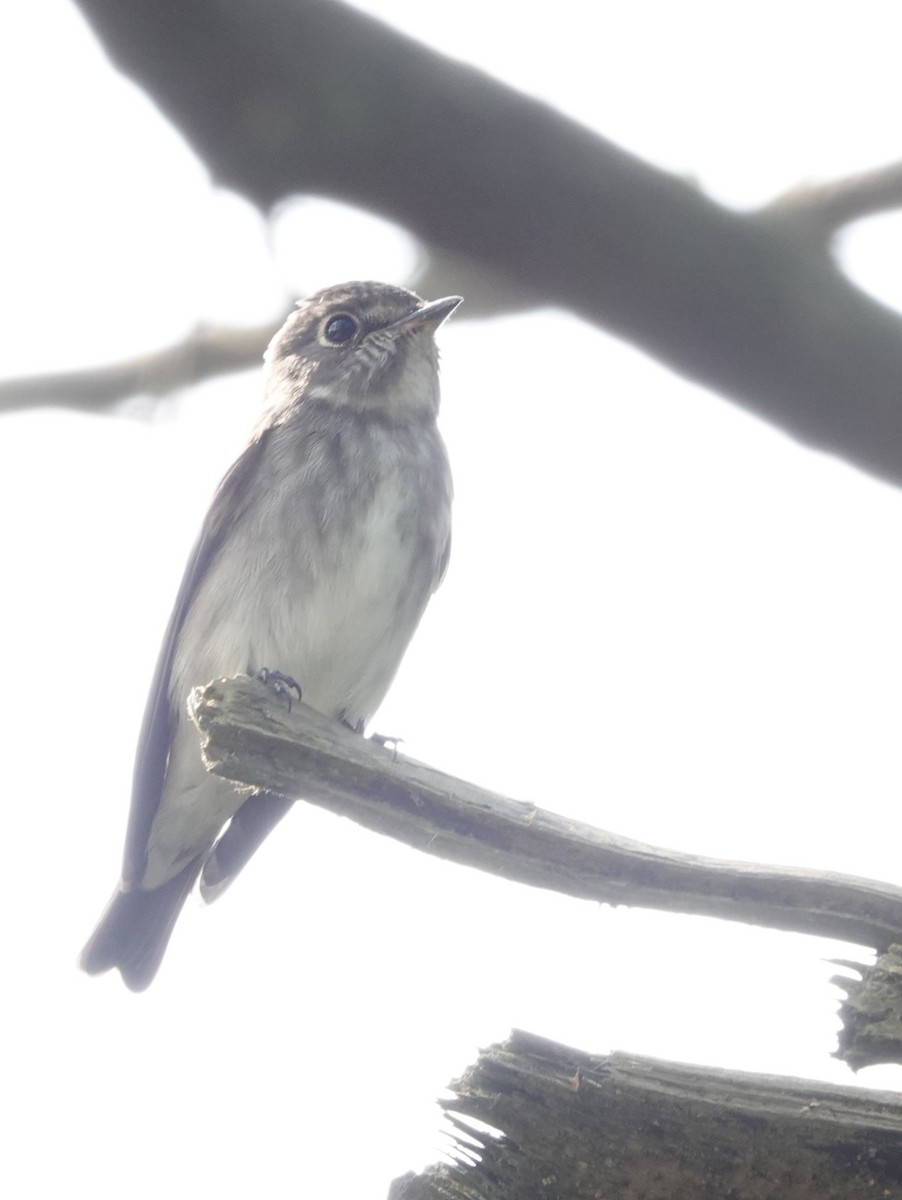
x=369, y=346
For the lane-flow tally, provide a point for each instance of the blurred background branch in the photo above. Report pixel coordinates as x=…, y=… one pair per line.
x=207, y=351
x=282, y=98
x=817, y=211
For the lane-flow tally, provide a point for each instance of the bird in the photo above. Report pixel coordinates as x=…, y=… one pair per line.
x=320, y=551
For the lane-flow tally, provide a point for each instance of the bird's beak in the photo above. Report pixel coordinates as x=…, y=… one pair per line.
x=430, y=315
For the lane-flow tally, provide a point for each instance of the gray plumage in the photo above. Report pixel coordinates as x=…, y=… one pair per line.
x=317, y=558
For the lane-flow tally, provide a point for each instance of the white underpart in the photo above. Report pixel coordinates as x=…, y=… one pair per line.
x=336, y=612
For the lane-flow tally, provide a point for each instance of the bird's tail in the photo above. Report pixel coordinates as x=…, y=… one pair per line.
x=133, y=933
x=243, y=836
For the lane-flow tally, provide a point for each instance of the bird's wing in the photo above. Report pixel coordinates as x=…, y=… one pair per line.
x=443, y=561
x=229, y=503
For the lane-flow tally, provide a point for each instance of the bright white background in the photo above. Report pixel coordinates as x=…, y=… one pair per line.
x=663, y=617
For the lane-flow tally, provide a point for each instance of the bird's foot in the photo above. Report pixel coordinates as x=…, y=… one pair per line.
x=381, y=739
x=281, y=684
x=385, y=740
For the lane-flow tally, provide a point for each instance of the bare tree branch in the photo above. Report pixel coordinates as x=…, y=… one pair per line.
x=209, y=350
x=740, y=304
x=583, y=1125
x=251, y=738
x=819, y=210
x=206, y=352
x=871, y=1014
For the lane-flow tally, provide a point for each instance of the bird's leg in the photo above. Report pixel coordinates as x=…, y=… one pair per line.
x=381, y=739
x=384, y=739
x=281, y=684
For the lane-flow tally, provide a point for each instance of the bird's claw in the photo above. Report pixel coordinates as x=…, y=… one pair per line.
x=386, y=739
x=281, y=684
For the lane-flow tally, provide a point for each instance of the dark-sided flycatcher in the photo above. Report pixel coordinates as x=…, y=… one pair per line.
x=316, y=561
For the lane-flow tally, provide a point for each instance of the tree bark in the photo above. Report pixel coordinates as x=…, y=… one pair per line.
x=871, y=1014
x=250, y=737
x=575, y=1125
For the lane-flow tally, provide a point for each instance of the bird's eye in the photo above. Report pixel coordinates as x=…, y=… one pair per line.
x=340, y=329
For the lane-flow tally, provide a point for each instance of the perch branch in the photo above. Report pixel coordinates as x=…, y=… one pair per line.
x=249, y=738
